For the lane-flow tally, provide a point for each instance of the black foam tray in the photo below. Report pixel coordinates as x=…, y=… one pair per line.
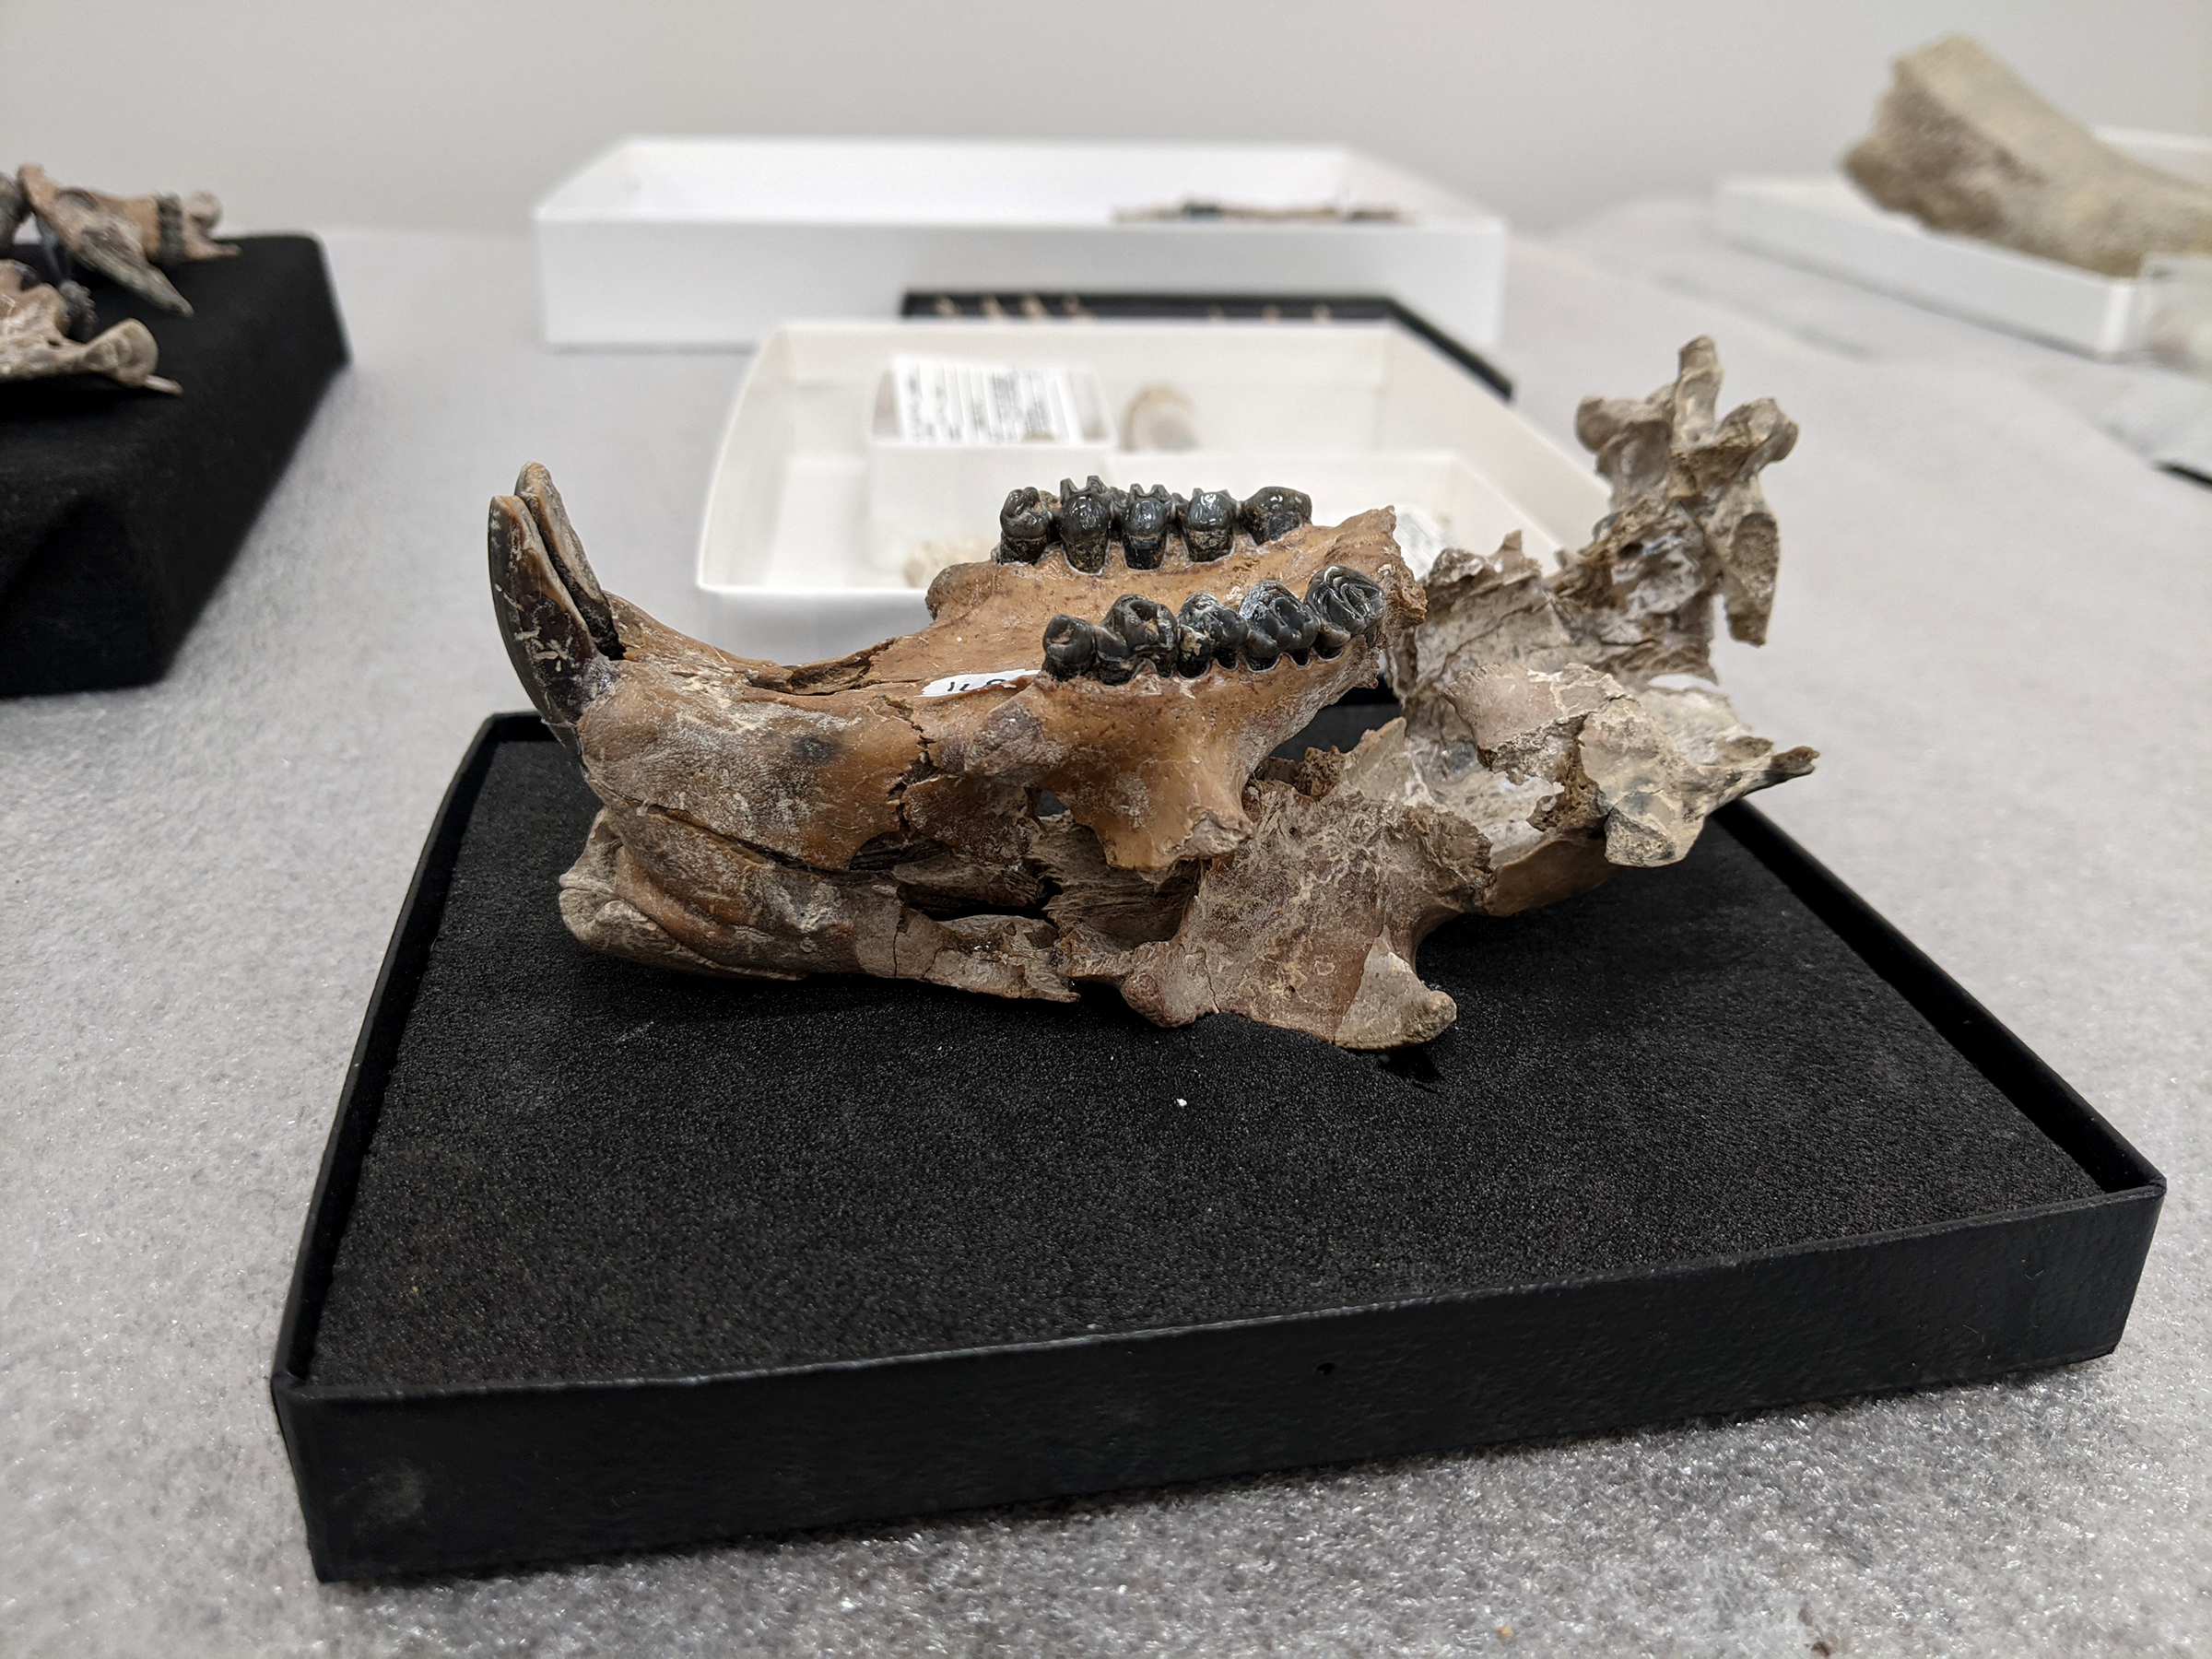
x=121, y=509
x=601, y=1258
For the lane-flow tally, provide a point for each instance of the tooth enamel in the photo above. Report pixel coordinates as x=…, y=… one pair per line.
x=1277, y=624
x=1025, y=526
x=1084, y=519
x=1143, y=517
x=1274, y=510
x=1209, y=523
x=1210, y=633
x=1149, y=629
x=1345, y=602
x=1070, y=647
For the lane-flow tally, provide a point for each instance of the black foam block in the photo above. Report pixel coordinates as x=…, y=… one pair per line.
x=121, y=509
x=588, y=1169
x=603, y=1257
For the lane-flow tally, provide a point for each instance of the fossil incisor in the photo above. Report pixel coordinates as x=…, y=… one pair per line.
x=1065, y=777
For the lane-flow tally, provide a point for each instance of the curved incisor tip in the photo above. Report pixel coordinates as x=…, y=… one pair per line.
x=535, y=485
x=546, y=636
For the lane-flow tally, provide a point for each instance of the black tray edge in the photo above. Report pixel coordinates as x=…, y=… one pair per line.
x=1140, y=306
x=330, y=1430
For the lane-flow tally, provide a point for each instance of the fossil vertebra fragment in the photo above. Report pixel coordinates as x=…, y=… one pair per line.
x=1018, y=798
x=126, y=237
x=1963, y=144
x=42, y=330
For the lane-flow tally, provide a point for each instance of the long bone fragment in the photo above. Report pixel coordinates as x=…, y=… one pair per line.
x=1965, y=146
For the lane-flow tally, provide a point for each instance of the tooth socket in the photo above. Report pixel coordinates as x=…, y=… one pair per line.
x=1207, y=632
x=1277, y=624
x=1274, y=510
x=1025, y=526
x=1209, y=521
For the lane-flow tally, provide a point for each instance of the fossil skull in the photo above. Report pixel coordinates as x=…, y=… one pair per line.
x=1065, y=778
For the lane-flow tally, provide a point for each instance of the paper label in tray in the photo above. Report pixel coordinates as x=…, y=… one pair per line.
x=961, y=401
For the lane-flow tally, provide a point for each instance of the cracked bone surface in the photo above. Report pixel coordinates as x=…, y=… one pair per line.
x=126, y=238
x=1965, y=146
x=1065, y=778
x=35, y=343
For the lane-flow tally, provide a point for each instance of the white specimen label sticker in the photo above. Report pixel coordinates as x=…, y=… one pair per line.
x=959, y=400
x=952, y=685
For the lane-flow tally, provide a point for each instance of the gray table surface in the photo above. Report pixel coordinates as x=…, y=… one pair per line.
x=1993, y=621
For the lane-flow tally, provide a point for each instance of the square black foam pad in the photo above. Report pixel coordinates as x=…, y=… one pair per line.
x=585, y=1168
x=119, y=510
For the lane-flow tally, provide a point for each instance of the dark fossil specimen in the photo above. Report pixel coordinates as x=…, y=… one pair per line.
x=1272, y=624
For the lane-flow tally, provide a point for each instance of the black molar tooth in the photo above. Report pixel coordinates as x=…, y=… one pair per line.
x=1114, y=663
x=1276, y=624
x=1085, y=523
x=1070, y=647
x=1274, y=510
x=1025, y=526
x=1348, y=601
x=1144, y=517
x=1147, y=627
x=1211, y=633
x=1209, y=523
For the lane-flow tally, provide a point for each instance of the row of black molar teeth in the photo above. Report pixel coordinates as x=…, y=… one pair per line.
x=1272, y=623
x=1084, y=523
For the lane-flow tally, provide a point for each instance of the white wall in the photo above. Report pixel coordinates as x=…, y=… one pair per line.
x=304, y=112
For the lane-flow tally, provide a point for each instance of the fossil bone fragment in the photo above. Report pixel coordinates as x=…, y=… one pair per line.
x=126, y=237
x=1965, y=146
x=38, y=325
x=1065, y=778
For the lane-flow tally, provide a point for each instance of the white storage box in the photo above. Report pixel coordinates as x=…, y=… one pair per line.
x=714, y=242
x=1825, y=223
x=819, y=507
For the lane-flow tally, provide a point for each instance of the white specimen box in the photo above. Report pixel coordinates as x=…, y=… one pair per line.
x=816, y=503
x=1824, y=222
x=714, y=241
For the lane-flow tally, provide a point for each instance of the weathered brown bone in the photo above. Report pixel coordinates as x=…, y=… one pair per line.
x=1965, y=146
x=887, y=812
x=35, y=343
x=125, y=238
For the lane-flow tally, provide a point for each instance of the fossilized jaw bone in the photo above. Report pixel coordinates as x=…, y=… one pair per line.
x=35, y=343
x=839, y=816
x=884, y=813
x=1963, y=144
x=125, y=238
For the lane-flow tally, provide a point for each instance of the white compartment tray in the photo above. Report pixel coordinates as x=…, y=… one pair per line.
x=712, y=241
x=1824, y=222
x=812, y=509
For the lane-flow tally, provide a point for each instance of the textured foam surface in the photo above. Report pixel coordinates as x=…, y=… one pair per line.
x=119, y=510
x=1993, y=621
x=587, y=1168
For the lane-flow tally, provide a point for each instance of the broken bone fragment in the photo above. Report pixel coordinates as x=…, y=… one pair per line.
x=936, y=807
x=127, y=239
x=1963, y=144
x=42, y=327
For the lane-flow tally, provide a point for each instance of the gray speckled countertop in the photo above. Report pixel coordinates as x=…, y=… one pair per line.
x=1993, y=621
